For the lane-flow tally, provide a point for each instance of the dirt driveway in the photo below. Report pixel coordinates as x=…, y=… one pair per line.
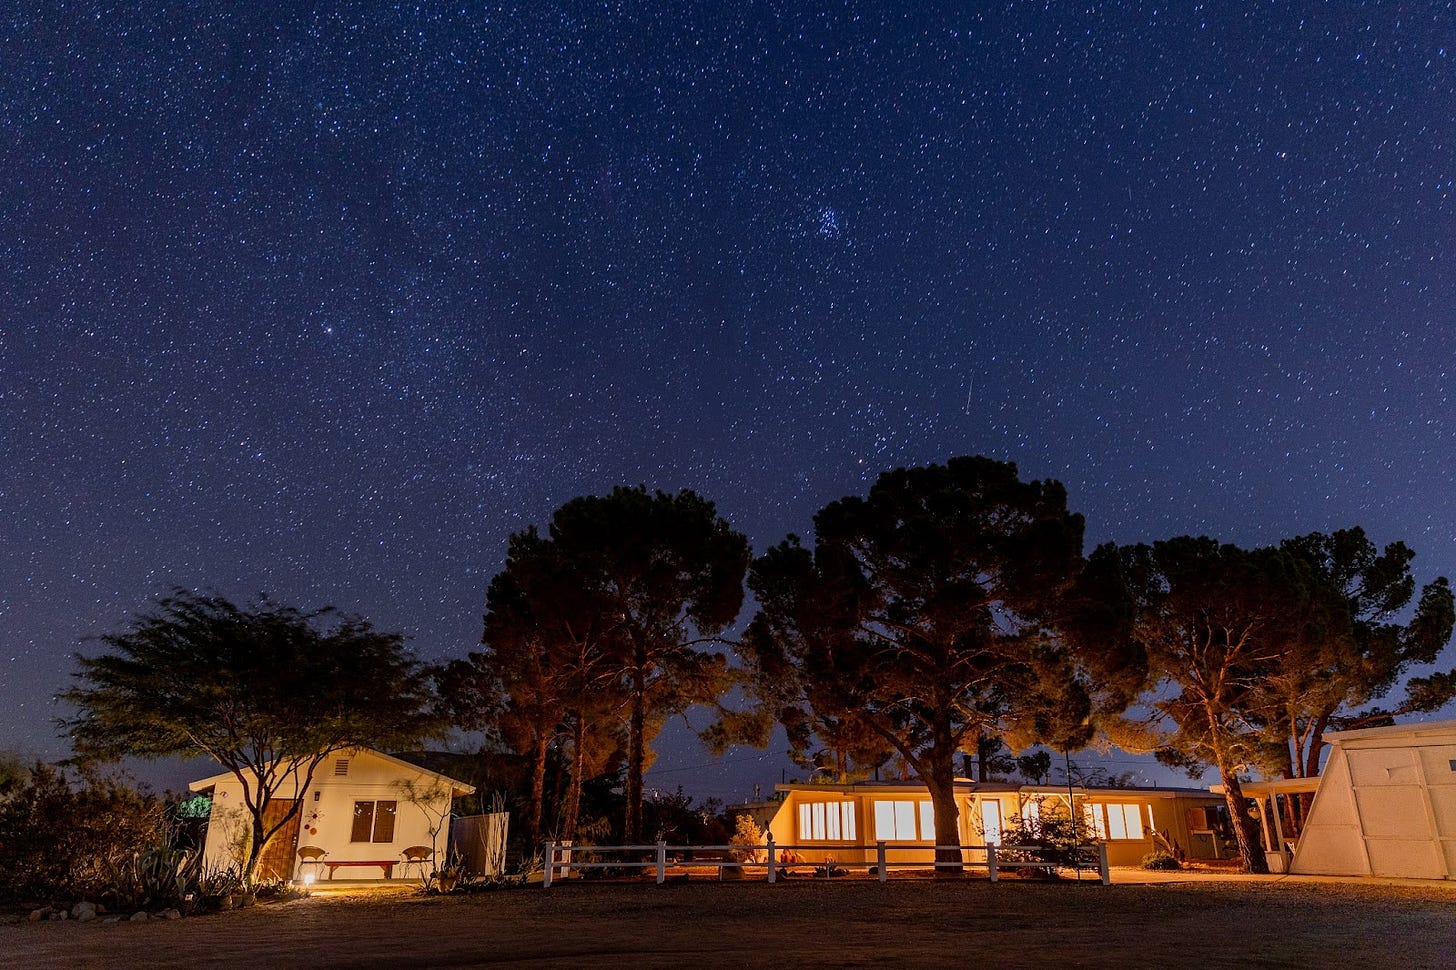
x=798, y=923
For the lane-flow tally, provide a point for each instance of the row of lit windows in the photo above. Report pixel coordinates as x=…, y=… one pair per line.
x=902, y=820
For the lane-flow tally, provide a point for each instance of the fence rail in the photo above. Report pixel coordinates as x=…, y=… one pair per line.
x=560, y=859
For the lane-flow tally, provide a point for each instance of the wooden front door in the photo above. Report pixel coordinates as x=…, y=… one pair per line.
x=278, y=858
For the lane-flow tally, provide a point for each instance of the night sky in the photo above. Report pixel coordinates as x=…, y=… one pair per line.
x=328, y=304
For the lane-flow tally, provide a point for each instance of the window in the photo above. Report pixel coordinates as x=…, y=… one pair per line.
x=895, y=820
x=826, y=821
x=373, y=822
x=1115, y=821
x=991, y=822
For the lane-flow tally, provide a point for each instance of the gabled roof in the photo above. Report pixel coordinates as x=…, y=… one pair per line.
x=457, y=788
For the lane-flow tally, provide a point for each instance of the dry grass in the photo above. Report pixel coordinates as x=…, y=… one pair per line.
x=799, y=923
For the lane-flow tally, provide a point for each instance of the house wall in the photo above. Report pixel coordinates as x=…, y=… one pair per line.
x=1163, y=812
x=328, y=815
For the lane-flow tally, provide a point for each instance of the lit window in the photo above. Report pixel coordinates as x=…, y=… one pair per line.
x=991, y=822
x=895, y=820
x=1115, y=821
x=826, y=821
x=373, y=822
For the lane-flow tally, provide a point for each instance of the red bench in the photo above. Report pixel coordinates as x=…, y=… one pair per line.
x=386, y=864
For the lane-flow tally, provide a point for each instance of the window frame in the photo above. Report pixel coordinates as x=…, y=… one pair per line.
x=817, y=819
x=916, y=813
x=376, y=815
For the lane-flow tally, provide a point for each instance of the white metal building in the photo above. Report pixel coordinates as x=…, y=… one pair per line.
x=1386, y=805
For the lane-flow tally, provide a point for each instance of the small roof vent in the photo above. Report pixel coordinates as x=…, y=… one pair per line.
x=341, y=768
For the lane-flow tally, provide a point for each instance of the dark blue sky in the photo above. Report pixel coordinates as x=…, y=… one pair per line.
x=328, y=304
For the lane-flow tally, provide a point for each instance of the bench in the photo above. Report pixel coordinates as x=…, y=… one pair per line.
x=386, y=864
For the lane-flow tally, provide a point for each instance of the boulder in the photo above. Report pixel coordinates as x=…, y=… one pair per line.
x=170, y=914
x=36, y=915
x=139, y=917
x=84, y=911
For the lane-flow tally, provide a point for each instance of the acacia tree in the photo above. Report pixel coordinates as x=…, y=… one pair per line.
x=1214, y=621
x=666, y=572
x=1324, y=682
x=926, y=616
x=267, y=691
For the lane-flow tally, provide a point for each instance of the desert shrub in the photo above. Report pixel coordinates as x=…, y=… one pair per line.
x=211, y=884
x=747, y=833
x=1160, y=860
x=1049, y=835
x=60, y=839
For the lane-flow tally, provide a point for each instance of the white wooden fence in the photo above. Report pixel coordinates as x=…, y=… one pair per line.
x=561, y=858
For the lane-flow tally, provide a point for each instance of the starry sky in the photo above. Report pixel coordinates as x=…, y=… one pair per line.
x=326, y=303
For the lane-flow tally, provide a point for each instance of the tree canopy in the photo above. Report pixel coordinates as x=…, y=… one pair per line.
x=547, y=679
x=1213, y=620
x=265, y=690
x=1331, y=681
x=666, y=574
x=925, y=617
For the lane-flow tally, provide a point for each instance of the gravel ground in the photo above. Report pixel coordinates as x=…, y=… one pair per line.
x=1198, y=922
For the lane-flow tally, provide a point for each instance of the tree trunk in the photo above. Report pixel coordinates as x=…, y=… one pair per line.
x=947, y=815
x=1246, y=830
x=572, y=810
x=255, y=847
x=636, y=756
x=538, y=792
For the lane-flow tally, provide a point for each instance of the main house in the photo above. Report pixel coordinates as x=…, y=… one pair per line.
x=365, y=812
x=843, y=823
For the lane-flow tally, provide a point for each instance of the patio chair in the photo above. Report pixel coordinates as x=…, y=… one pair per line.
x=417, y=855
x=311, y=854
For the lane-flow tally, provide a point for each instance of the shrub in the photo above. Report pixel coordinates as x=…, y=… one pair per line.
x=1048, y=835
x=747, y=833
x=82, y=840
x=1160, y=860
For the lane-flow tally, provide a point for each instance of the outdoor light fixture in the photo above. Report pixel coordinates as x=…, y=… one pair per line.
x=308, y=879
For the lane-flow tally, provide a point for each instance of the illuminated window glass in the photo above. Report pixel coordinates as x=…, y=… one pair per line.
x=1096, y=818
x=1115, y=821
x=927, y=821
x=826, y=821
x=991, y=822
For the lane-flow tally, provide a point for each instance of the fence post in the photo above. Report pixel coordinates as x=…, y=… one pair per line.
x=880, y=856
x=772, y=873
x=991, y=859
x=550, y=862
x=1102, y=863
x=661, y=862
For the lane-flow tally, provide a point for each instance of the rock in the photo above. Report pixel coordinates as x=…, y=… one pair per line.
x=111, y=919
x=84, y=911
x=139, y=917
x=225, y=902
x=170, y=914
x=59, y=915
x=36, y=915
